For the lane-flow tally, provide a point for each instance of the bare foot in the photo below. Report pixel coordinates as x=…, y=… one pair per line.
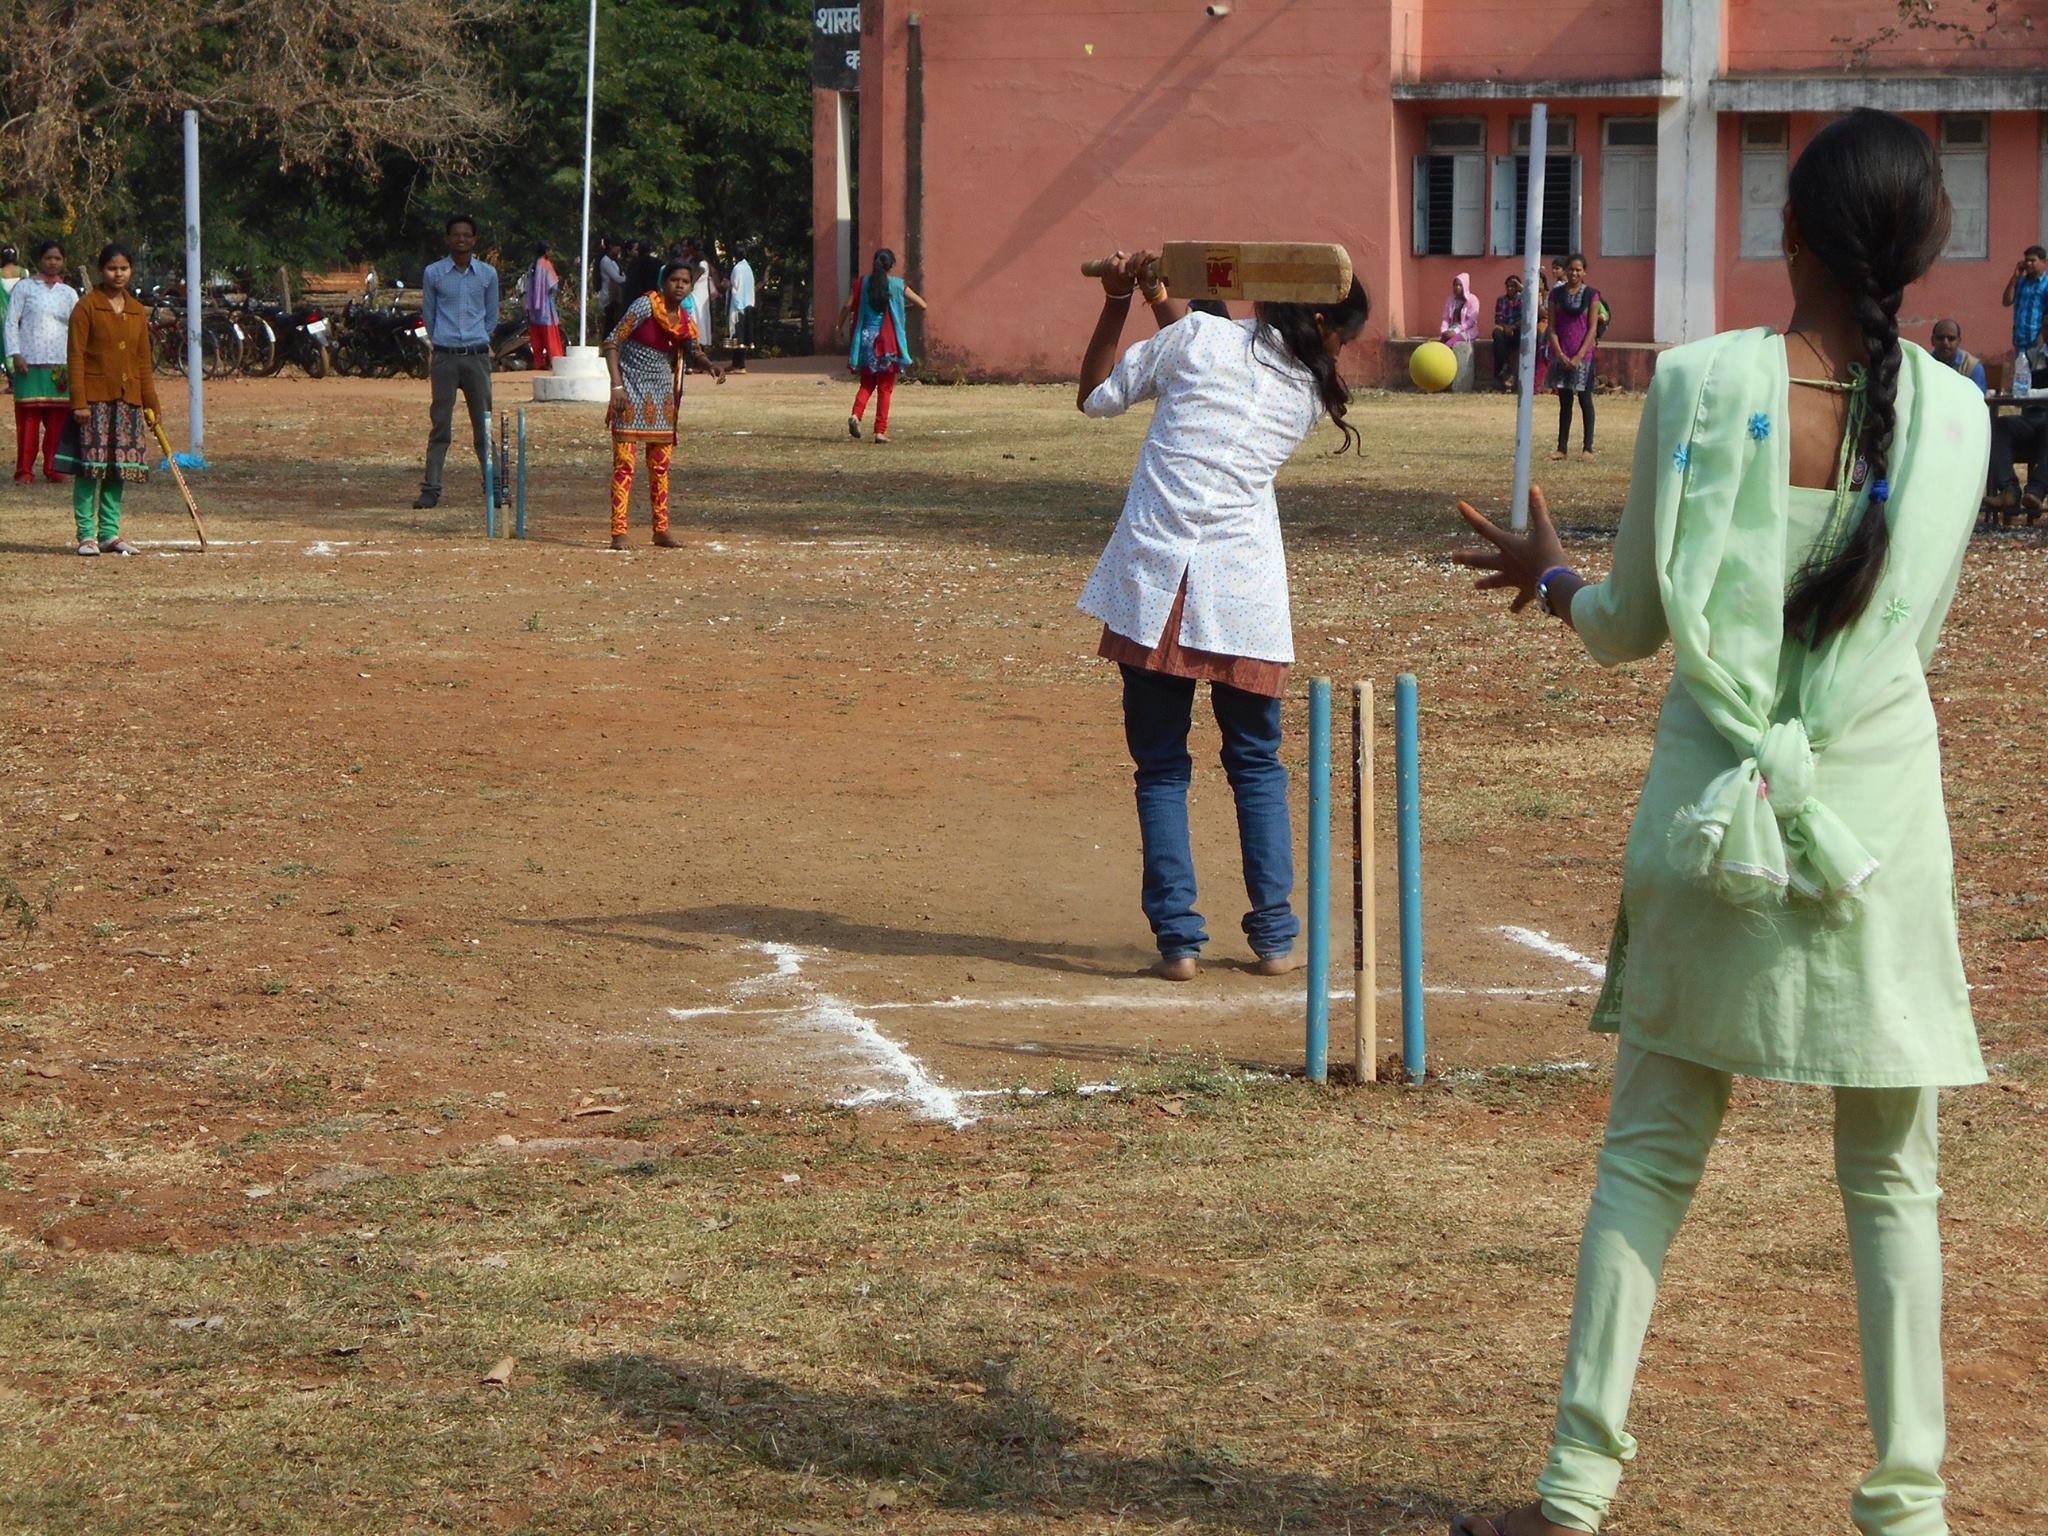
x=1179, y=968
x=1560, y=454
x=1278, y=965
x=618, y=541
x=1585, y=453
x=667, y=540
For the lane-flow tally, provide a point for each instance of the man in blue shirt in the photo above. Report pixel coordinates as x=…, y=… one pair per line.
x=2026, y=295
x=459, y=303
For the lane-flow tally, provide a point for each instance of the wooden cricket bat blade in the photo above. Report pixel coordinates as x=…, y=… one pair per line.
x=184, y=490
x=1264, y=271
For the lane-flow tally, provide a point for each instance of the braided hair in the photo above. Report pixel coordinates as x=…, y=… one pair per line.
x=876, y=295
x=1868, y=199
x=1294, y=327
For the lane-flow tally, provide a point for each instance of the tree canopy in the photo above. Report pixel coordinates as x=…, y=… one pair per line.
x=334, y=133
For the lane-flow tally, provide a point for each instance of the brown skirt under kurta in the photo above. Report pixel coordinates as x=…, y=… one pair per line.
x=1248, y=674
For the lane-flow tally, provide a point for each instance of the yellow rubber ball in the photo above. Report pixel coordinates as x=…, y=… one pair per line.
x=1432, y=367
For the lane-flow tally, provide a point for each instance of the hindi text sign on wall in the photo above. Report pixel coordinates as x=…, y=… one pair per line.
x=835, y=47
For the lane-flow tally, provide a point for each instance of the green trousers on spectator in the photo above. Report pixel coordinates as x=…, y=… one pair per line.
x=96, y=505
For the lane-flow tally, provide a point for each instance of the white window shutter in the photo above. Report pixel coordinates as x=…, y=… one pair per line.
x=1967, y=176
x=1468, y=206
x=1507, y=240
x=1422, y=205
x=1763, y=203
x=1617, y=205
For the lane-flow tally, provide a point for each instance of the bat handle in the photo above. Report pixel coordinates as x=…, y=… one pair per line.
x=1095, y=268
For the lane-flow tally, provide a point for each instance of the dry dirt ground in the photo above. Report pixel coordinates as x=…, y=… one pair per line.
x=422, y=950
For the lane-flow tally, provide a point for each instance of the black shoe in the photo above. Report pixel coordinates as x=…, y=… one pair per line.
x=428, y=497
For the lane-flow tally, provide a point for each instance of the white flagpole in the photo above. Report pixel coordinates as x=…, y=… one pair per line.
x=589, y=119
x=1532, y=247
x=195, y=382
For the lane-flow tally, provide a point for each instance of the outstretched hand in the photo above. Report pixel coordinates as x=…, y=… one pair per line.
x=1516, y=560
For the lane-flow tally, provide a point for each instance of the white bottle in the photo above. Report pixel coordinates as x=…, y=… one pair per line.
x=2022, y=377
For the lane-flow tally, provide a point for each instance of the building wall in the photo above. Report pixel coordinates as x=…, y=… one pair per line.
x=1771, y=37
x=1550, y=40
x=1627, y=283
x=1056, y=132
x=1967, y=291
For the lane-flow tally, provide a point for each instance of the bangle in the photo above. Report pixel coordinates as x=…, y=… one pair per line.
x=1543, y=588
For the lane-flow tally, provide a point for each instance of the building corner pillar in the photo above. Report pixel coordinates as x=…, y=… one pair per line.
x=1688, y=173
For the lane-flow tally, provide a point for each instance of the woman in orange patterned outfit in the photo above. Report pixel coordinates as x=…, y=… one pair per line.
x=646, y=353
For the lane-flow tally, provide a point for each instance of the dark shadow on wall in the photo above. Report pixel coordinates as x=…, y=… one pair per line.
x=971, y=1440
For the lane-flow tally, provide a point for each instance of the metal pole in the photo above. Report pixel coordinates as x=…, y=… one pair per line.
x=1408, y=792
x=1318, y=879
x=589, y=120
x=519, y=504
x=195, y=367
x=490, y=489
x=1532, y=249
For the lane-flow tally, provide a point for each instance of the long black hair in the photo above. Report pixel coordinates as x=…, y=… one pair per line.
x=112, y=249
x=876, y=294
x=1869, y=203
x=1294, y=327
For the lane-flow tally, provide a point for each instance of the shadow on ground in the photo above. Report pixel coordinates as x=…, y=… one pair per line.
x=973, y=1441
x=795, y=926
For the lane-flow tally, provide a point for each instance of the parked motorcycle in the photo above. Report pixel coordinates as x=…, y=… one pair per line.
x=379, y=341
x=299, y=336
x=511, y=345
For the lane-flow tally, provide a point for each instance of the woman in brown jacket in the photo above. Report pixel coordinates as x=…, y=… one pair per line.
x=113, y=404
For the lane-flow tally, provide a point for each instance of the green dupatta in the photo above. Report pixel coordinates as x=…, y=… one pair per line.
x=1760, y=835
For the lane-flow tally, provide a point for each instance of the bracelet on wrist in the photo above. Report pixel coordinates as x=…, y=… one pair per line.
x=1543, y=586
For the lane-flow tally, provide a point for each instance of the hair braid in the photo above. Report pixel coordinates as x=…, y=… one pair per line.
x=1868, y=198
x=1295, y=327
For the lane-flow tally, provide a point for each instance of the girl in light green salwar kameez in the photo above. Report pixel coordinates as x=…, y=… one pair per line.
x=1795, y=526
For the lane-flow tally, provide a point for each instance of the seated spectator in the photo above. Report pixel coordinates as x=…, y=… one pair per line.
x=2019, y=436
x=1507, y=333
x=1948, y=348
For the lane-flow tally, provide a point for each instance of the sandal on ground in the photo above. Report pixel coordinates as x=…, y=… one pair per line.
x=1560, y=454
x=853, y=426
x=1177, y=968
x=88, y=546
x=117, y=547
x=881, y=437
x=1525, y=1521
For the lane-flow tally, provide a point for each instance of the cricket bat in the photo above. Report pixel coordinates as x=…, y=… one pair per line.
x=1268, y=271
x=184, y=490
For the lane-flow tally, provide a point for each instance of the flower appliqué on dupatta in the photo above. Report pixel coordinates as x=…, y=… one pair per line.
x=1681, y=456
x=1897, y=611
x=1759, y=426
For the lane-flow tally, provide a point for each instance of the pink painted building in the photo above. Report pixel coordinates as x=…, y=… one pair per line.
x=1000, y=142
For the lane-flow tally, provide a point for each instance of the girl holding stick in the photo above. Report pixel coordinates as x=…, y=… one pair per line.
x=1193, y=585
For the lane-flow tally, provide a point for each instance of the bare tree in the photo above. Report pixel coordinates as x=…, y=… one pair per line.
x=323, y=80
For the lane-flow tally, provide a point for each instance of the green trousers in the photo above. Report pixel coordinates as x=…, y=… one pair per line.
x=96, y=507
x=1665, y=1115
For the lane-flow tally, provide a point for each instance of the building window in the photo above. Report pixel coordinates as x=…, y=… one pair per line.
x=1628, y=186
x=1766, y=142
x=1561, y=179
x=1450, y=175
x=1966, y=173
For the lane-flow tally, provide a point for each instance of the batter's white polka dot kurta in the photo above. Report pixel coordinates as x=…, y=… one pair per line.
x=1232, y=409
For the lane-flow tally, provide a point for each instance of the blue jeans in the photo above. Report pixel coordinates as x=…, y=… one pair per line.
x=1157, y=712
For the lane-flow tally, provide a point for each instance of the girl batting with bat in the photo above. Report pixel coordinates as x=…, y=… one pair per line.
x=1796, y=520
x=1193, y=585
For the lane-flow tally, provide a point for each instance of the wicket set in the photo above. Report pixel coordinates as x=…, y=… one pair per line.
x=1365, y=939
x=504, y=482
